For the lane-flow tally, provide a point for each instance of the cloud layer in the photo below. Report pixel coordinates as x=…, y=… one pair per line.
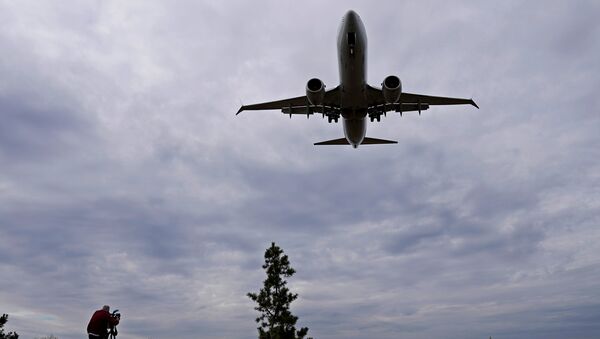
x=126, y=179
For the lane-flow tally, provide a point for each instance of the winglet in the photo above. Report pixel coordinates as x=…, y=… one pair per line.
x=474, y=104
x=240, y=110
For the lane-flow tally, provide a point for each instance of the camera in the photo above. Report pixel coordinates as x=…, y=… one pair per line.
x=116, y=314
x=112, y=334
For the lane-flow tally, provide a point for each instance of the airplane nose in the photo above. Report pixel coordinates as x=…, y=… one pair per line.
x=351, y=21
x=351, y=16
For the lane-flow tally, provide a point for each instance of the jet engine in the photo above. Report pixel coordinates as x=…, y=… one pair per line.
x=392, y=88
x=315, y=91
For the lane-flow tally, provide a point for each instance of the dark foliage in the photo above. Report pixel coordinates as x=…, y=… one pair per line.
x=9, y=335
x=274, y=299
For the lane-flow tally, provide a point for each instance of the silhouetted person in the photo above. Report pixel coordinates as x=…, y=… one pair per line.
x=101, y=321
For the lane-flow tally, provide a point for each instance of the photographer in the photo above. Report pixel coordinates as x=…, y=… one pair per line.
x=100, y=322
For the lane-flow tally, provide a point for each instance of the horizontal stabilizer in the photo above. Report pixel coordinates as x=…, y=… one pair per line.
x=373, y=141
x=341, y=141
x=366, y=141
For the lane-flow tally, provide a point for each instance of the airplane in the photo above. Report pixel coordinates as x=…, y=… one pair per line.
x=354, y=100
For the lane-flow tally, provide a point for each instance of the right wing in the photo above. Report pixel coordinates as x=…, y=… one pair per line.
x=299, y=105
x=432, y=100
x=412, y=102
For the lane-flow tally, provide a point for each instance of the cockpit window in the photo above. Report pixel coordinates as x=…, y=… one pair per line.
x=351, y=38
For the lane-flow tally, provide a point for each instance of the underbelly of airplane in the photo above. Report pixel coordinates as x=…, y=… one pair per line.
x=354, y=113
x=355, y=130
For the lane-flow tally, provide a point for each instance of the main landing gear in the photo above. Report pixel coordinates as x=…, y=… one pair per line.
x=375, y=117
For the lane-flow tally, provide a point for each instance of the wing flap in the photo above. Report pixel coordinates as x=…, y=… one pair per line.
x=309, y=110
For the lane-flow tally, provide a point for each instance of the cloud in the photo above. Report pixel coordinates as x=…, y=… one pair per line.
x=126, y=178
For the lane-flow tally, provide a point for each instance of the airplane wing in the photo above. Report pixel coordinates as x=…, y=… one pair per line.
x=298, y=105
x=415, y=101
x=431, y=100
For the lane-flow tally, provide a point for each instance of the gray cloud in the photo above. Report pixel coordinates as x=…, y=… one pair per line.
x=126, y=179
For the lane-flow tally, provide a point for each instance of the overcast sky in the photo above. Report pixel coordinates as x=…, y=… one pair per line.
x=126, y=179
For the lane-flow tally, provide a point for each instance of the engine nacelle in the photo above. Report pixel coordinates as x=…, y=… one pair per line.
x=392, y=88
x=315, y=91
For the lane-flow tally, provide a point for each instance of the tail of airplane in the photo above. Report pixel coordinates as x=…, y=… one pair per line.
x=366, y=141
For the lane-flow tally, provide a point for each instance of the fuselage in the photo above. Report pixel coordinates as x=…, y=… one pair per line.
x=352, y=59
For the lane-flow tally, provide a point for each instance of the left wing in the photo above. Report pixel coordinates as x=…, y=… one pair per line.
x=376, y=100
x=299, y=105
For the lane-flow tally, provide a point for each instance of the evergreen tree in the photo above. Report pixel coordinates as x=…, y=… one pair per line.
x=9, y=335
x=274, y=299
